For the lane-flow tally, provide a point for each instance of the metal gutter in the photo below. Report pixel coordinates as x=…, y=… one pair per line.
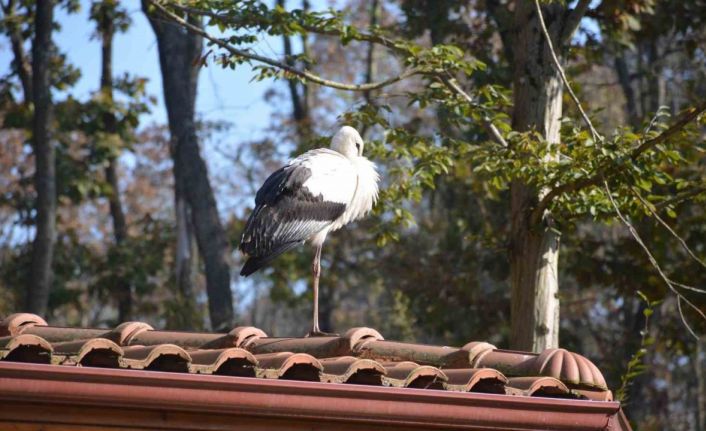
x=133, y=398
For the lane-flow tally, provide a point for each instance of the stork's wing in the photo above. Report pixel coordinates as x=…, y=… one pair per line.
x=296, y=202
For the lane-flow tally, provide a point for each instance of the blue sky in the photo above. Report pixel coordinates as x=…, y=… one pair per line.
x=223, y=94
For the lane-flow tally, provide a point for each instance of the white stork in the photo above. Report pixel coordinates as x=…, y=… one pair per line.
x=316, y=193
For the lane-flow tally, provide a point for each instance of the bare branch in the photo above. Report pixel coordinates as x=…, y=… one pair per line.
x=686, y=118
x=683, y=318
x=653, y=261
x=687, y=287
x=681, y=240
x=304, y=74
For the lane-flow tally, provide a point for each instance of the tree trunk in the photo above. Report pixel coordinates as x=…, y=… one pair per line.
x=534, y=249
x=186, y=255
x=655, y=80
x=41, y=276
x=621, y=68
x=106, y=27
x=370, y=64
x=300, y=100
x=179, y=55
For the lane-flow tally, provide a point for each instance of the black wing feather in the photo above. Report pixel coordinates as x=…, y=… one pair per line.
x=286, y=214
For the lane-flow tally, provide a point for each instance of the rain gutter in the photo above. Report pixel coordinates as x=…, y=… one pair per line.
x=134, y=399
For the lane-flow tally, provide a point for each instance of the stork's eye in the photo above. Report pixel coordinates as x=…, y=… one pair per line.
x=357, y=146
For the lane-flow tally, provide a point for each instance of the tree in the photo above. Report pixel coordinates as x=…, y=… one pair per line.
x=180, y=59
x=109, y=18
x=537, y=106
x=41, y=275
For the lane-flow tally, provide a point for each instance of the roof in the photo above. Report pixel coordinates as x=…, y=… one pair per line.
x=358, y=376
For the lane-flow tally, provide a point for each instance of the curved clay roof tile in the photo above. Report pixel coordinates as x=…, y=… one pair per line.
x=27, y=348
x=15, y=323
x=568, y=367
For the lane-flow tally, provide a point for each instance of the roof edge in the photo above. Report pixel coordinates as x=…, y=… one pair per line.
x=332, y=403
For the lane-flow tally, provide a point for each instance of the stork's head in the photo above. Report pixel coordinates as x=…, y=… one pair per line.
x=348, y=142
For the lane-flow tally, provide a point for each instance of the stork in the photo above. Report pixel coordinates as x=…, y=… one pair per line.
x=314, y=194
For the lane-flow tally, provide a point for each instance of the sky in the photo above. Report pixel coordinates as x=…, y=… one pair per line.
x=223, y=94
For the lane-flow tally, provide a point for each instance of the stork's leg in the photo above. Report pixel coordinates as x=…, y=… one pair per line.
x=316, y=272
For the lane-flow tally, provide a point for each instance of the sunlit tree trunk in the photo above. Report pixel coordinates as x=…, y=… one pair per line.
x=534, y=252
x=179, y=59
x=41, y=276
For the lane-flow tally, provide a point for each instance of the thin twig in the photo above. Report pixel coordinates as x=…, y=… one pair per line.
x=683, y=318
x=305, y=74
x=687, y=287
x=652, y=259
x=681, y=240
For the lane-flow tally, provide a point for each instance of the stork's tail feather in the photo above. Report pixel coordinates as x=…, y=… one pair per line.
x=255, y=263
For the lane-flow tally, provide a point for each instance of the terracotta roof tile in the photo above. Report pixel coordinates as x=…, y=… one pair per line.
x=538, y=386
x=486, y=380
x=349, y=369
x=359, y=356
x=26, y=348
x=232, y=362
x=94, y=352
x=290, y=366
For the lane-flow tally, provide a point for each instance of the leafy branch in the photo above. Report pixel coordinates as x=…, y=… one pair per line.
x=612, y=166
x=287, y=68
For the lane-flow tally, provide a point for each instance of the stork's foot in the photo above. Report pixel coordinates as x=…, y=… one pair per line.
x=318, y=333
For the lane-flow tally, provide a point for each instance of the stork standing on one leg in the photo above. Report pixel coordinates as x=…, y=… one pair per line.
x=314, y=194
